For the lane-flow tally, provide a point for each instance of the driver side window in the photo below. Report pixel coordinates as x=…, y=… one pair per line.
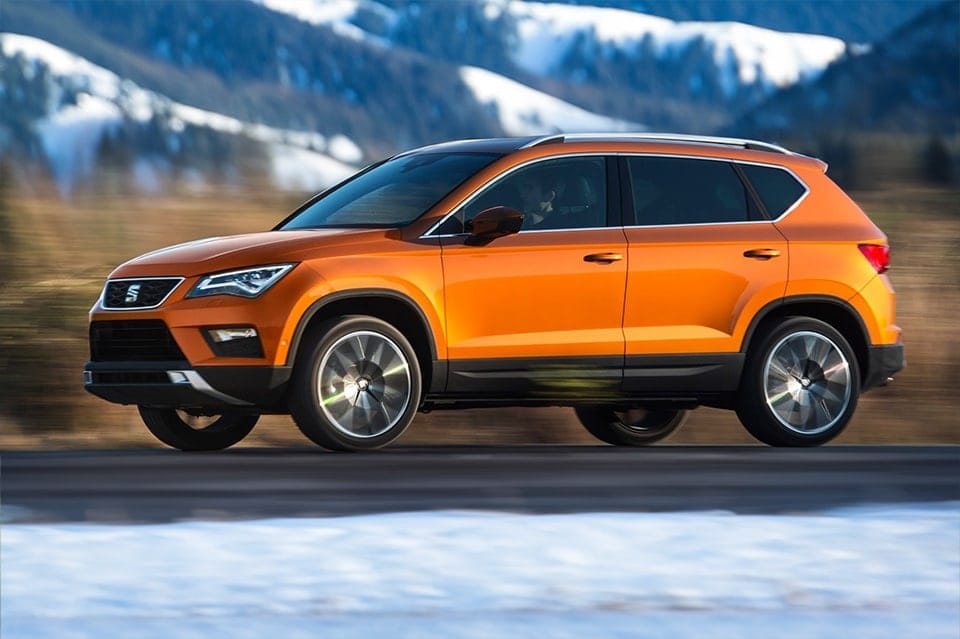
x=566, y=193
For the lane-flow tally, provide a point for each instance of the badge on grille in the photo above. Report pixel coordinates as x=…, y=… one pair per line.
x=133, y=293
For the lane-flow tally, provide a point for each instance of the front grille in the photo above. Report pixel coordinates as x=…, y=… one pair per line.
x=133, y=341
x=138, y=293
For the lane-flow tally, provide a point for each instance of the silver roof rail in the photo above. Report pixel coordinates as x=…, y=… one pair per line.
x=547, y=139
x=659, y=137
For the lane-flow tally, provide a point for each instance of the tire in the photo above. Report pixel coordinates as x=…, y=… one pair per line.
x=629, y=427
x=179, y=429
x=800, y=384
x=356, y=385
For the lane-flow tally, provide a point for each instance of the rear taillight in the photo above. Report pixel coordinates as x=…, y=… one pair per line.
x=878, y=255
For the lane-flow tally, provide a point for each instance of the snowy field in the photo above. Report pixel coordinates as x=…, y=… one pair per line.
x=864, y=572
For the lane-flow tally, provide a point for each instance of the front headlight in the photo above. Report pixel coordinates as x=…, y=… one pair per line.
x=248, y=282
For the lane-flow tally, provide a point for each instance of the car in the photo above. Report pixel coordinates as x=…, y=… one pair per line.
x=632, y=277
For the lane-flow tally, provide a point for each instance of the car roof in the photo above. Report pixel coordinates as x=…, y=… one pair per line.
x=501, y=146
x=509, y=145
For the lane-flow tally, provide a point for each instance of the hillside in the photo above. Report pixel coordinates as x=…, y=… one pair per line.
x=863, y=21
x=303, y=91
x=587, y=54
x=908, y=83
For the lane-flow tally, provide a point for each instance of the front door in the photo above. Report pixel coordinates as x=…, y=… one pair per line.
x=539, y=312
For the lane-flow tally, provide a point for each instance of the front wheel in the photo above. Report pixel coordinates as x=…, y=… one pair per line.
x=357, y=386
x=180, y=429
x=800, y=384
x=629, y=427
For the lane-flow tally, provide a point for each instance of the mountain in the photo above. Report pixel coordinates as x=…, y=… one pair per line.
x=244, y=61
x=304, y=91
x=863, y=21
x=585, y=53
x=78, y=115
x=909, y=82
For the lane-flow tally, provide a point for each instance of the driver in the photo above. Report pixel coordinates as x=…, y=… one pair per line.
x=536, y=199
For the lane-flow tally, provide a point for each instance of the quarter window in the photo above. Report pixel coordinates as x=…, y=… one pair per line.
x=777, y=189
x=669, y=191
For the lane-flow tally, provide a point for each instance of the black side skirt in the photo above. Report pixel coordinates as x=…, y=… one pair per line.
x=688, y=379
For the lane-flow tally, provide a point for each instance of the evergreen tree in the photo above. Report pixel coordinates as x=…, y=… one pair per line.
x=7, y=241
x=936, y=163
x=843, y=160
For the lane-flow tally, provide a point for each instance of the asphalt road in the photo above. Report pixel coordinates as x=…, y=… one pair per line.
x=141, y=486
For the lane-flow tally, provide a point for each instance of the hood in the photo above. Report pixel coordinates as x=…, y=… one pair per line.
x=239, y=251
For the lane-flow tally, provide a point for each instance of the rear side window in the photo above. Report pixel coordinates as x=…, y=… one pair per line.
x=669, y=191
x=778, y=189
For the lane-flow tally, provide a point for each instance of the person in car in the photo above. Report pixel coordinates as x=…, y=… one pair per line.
x=536, y=199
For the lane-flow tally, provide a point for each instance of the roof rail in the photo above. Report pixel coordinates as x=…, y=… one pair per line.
x=546, y=139
x=660, y=137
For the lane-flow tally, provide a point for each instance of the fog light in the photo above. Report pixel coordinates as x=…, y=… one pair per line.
x=221, y=335
x=234, y=341
x=178, y=377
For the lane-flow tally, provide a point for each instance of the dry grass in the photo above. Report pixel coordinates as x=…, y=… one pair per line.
x=65, y=249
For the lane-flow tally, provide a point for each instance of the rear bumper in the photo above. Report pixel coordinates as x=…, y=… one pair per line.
x=882, y=363
x=176, y=384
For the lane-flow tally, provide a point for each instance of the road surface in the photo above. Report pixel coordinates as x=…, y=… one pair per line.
x=151, y=486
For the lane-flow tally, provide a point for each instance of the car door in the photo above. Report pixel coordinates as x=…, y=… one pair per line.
x=703, y=260
x=539, y=311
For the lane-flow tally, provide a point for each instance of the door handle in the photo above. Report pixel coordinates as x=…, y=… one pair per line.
x=603, y=258
x=761, y=254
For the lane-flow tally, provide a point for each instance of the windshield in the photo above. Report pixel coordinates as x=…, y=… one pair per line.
x=391, y=194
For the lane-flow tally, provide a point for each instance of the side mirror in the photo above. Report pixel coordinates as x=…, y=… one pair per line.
x=492, y=223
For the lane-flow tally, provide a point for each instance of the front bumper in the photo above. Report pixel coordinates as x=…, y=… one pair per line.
x=175, y=384
x=882, y=363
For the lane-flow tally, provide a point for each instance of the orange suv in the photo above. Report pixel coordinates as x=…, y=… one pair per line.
x=631, y=277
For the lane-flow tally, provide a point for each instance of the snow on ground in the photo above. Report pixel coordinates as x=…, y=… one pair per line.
x=546, y=32
x=335, y=14
x=525, y=111
x=742, y=53
x=302, y=170
x=868, y=572
x=70, y=134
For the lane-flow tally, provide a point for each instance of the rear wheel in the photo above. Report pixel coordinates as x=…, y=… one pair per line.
x=800, y=385
x=357, y=386
x=630, y=427
x=186, y=431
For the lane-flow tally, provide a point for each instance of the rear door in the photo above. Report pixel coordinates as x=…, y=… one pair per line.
x=703, y=260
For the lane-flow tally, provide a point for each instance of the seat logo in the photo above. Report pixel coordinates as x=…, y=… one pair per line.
x=133, y=293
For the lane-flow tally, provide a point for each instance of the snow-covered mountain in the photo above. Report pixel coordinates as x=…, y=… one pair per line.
x=734, y=63
x=303, y=91
x=525, y=111
x=88, y=106
x=555, y=39
x=909, y=83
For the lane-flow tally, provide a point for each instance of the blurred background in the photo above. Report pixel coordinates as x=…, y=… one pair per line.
x=130, y=125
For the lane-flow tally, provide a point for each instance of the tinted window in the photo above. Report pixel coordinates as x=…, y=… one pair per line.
x=687, y=191
x=566, y=193
x=778, y=190
x=393, y=193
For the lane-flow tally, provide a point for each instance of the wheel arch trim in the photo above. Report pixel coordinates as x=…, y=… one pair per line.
x=860, y=344
x=435, y=367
